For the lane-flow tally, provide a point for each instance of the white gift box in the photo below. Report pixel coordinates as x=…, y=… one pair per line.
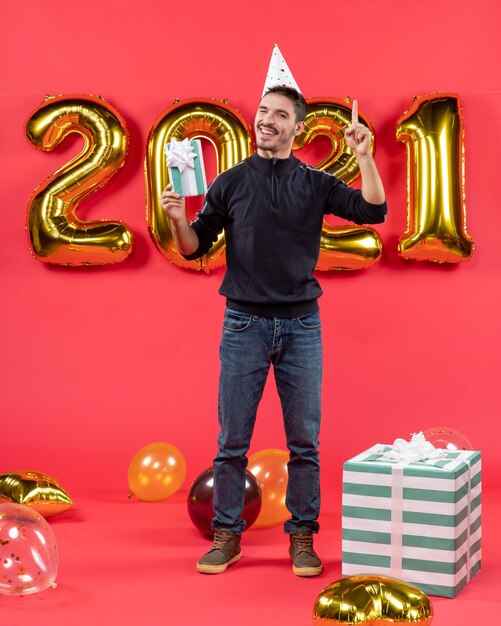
x=185, y=163
x=417, y=521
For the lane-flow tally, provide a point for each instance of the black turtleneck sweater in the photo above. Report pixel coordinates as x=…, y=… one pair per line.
x=272, y=212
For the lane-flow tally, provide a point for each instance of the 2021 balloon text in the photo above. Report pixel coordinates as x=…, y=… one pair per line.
x=432, y=130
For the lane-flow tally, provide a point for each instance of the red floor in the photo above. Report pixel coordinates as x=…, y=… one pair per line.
x=129, y=563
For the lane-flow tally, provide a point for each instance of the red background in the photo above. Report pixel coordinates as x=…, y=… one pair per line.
x=98, y=362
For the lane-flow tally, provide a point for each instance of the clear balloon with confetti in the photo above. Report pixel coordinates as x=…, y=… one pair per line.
x=28, y=551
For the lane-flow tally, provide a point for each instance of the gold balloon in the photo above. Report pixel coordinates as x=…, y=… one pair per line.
x=372, y=600
x=432, y=130
x=40, y=492
x=348, y=248
x=341, y=247
x=57, y=235
x=156, y=472
x=229, y=134
x=270, y=469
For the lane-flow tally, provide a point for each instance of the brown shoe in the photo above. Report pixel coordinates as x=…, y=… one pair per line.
x=305, y=561
x=225, y=551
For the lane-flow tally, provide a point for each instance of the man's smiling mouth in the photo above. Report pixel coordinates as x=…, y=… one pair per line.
x=265, y=130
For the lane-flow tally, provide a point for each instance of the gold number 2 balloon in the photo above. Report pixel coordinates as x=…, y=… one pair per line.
x=432, y=130
x=57, y=235
x=229, y=134
x=372, y=600
x=341, y=247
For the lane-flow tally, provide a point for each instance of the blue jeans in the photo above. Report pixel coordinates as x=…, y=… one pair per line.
x=249, y=345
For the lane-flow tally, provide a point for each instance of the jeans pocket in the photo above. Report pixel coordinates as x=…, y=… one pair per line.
x=310, y=321
x=236, y=321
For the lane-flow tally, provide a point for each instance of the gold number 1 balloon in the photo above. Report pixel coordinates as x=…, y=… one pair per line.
x=57, y=235
x=432, y=130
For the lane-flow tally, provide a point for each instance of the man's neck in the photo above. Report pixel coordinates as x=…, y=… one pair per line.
x=269, y=154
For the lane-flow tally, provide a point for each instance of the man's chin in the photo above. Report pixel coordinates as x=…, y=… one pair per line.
x=265, y=144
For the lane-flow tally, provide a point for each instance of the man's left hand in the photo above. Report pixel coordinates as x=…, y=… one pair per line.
x=358, y=137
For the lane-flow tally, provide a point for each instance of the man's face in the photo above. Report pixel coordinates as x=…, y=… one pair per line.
x=275, y=126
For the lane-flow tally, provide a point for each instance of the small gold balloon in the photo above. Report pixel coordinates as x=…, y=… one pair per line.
x=372, y=600
x=156, y=471
x=40, y=492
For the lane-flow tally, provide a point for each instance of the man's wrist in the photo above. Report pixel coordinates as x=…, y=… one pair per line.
x=365, y=158
x=179, y=222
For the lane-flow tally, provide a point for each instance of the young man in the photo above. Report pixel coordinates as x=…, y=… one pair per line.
x=272, y=206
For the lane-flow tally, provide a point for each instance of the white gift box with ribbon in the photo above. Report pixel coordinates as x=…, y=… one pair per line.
x=185, y=163
x=413, y=512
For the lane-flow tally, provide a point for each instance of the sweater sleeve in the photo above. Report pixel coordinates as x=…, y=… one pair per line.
x=210, y=221
x=349, y=203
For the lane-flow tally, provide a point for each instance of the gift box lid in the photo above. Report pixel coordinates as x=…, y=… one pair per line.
x=451, y=465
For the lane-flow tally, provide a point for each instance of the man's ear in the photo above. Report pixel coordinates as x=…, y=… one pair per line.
x=299, y=128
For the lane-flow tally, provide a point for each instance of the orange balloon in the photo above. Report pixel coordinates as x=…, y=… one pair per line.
x=270, y=469
x=156, y=472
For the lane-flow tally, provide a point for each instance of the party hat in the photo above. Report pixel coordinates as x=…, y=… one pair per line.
x=279, y=73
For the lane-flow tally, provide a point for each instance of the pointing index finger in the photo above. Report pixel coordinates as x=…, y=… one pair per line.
x=354, y=113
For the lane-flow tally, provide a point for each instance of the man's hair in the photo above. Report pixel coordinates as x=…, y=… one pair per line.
x=294, y=96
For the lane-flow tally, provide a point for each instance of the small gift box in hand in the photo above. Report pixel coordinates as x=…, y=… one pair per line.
x=185, y=162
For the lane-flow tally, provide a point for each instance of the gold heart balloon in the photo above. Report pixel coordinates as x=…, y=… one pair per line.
x=39, y=491
x=372, y=601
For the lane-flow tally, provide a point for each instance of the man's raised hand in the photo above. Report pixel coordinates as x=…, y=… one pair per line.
x=358, y=137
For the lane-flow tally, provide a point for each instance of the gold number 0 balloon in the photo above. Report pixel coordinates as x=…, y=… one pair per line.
x=432, y=130
x=57, y=235
x=228, y=132
x=341, y=247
